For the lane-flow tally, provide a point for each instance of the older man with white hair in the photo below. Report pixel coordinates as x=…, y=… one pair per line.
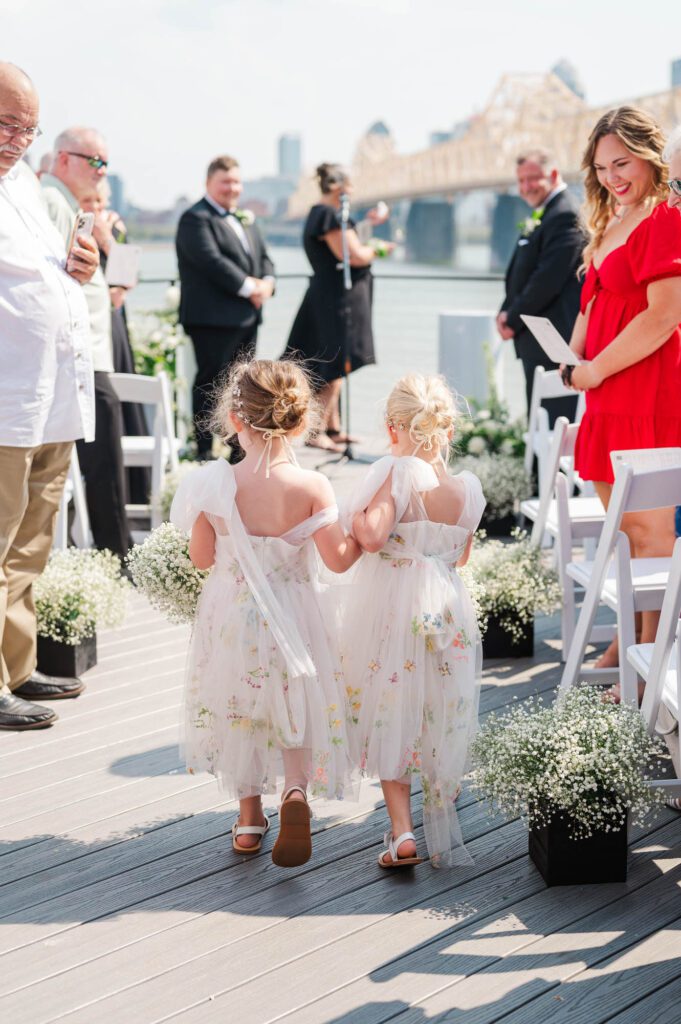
x=79, y=164
x=46, y=398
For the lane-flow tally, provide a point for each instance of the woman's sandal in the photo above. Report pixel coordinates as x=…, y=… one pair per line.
x=248, y=830
x=391, y=847
x=340, y=438
x=324, y=443
x=294, y=842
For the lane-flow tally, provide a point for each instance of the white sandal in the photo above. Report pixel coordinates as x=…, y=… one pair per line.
x=391, y=845
x=294, y=842
x=248, y=830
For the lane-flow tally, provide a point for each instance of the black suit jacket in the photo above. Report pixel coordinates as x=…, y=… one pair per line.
x=213, y=265
x=541, y=279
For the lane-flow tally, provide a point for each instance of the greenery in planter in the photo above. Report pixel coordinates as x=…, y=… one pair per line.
x=511, y=582
x=79, y=592
x=155, y=338
x=163, y=572
x=489, y=431
x=584, y=759
x=504, y=481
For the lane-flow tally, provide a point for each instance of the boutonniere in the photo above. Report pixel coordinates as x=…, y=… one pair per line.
x=531, y=223
x=245, y=217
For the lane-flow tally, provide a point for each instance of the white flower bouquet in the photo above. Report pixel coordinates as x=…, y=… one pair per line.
x=79, y=592
x=582, y=759
x=503, y=478
x=162, y=570
x=511, y=583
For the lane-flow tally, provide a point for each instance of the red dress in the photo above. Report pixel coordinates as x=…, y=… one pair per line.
x=639, y=407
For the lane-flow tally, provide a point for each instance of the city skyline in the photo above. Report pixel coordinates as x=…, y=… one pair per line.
x=172, y=83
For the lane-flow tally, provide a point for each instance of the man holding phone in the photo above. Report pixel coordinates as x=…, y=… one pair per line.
x=46, y=397
x=79, y=163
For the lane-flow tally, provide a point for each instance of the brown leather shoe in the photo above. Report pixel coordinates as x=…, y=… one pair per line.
x=17, y=714
x=41, y=687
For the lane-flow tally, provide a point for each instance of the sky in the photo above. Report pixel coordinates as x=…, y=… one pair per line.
x=172, y=83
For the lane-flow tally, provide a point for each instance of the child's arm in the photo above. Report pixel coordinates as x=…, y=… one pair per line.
x=202, y=543
x=373, y=526
x=338, y=551
x=466, y=552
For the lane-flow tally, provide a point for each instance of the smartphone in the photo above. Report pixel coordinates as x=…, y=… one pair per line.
x=82, y=225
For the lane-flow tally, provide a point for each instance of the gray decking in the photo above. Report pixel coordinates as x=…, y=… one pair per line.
x=121, y=899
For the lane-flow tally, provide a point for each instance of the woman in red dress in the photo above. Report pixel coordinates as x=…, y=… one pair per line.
x=628, y=329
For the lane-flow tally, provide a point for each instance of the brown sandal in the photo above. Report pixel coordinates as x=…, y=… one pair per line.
x=294, y=842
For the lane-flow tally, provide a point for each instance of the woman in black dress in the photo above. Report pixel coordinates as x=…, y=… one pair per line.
x=327, y=310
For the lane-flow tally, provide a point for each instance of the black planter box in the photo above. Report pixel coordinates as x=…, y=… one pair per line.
x=498, y=527
x=565, y=861
x=498, y=643
x=67, y=660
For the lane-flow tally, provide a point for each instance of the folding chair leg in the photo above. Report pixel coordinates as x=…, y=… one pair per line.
x=626, y=621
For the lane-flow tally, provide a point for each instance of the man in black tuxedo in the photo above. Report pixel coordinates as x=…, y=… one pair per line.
x=541, y=279
x=226, y=275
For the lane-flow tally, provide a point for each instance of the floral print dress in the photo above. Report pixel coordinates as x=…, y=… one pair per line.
x=263, y=672
x=413, y=655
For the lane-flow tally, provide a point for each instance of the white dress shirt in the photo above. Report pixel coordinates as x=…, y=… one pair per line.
x=46, y=380
x=62, y=207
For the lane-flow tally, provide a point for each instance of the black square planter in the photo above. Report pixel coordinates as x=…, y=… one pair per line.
x=67, y=660
x=499, y=643
x=498, y=527
x=565, y=861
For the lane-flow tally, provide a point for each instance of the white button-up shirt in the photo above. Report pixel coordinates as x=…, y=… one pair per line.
x=46, y=378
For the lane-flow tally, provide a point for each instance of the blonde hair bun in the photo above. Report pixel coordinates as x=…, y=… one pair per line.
x=425, y=407
x=268, y=395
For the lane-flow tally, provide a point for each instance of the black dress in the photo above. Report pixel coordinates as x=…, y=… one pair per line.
x=318, y=332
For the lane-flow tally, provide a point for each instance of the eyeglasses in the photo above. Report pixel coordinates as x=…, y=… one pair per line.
x=675, y=186
x=11, y=130
x=94, y=161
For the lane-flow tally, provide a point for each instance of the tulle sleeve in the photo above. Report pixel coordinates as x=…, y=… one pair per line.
x=655, y=246
x=361, y=496
x=410, y=474
x=475, y=501
x=209, y=489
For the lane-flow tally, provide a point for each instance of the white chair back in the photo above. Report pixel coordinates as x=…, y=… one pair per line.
x=663, y=647
x=545, y=384
x=73, y=491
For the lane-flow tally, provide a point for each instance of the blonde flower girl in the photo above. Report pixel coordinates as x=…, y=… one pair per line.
x=264, y=700
x=413, y=652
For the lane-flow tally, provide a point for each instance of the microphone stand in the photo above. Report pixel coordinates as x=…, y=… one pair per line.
x=346, y=314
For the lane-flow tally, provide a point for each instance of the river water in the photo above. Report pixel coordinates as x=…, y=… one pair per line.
x=405, y=319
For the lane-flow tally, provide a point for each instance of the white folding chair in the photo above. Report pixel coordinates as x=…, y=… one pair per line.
x=659, y=664
x=73, y=491
x=545, y=384
x=626, y=585
x=159, y=449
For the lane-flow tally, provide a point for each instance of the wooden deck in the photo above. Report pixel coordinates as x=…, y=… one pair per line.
x=122, y=901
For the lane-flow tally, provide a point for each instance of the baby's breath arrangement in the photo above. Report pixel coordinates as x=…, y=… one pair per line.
x=511, y=583
x=79, y=592
x=503, y=478
x=163, y=572
x=583, y=759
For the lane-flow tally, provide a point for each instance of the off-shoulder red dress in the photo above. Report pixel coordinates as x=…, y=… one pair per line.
x=639, y=407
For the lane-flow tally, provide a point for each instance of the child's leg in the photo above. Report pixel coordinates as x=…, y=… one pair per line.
x=397, y=793
x=295, y=771
x=250, y=813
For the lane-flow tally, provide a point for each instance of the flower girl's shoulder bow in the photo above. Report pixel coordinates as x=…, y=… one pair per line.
x=210, y=489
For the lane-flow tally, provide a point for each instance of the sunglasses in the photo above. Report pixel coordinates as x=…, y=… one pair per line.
x=675, y=186
x=94, y=161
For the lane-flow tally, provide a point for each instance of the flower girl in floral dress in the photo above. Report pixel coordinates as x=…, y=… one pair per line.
x=413, y=648
x=264, y=691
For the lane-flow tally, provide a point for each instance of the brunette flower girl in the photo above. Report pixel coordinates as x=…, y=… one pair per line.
x=413, y=651
x=264, y=698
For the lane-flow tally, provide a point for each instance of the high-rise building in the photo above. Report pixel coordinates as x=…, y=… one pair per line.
x=290, y=156
x=676, y=73
x=118, y=202
x=568, y=74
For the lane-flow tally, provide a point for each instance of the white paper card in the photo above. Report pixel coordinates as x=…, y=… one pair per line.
x=644, y=460
x=122, y=265
x=550, y=340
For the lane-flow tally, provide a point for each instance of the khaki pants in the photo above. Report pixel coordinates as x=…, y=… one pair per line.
x=31, y=485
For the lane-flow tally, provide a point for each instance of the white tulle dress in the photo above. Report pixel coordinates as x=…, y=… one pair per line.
x=412, y=649
x=263, y=675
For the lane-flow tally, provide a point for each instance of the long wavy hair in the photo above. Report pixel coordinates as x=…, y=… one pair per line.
x=643, y=137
